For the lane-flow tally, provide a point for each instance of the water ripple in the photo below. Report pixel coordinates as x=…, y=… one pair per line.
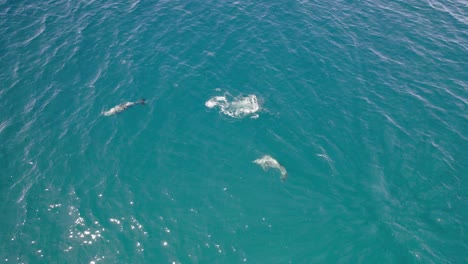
x=366, y=107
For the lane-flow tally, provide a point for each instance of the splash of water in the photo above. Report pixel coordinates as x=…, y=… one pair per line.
x=237, y=107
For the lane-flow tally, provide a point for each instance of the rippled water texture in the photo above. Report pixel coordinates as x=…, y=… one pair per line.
x=364, y=103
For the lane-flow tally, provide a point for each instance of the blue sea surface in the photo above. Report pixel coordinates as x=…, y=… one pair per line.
x=363, y=103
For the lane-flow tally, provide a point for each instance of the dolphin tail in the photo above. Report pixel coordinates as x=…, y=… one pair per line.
x=142, y=101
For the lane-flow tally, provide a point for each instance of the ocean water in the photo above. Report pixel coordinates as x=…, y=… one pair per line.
x=363, y=104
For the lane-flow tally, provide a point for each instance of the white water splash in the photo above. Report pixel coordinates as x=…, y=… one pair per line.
x=267, y=162
x=238, y=107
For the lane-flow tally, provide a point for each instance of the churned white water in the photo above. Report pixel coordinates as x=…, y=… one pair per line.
x=236, y=107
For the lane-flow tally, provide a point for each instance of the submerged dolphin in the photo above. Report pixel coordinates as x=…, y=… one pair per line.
x=121, y=107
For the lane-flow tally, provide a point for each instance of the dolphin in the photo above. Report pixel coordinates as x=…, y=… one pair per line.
x=268, y=161
x=121, y=107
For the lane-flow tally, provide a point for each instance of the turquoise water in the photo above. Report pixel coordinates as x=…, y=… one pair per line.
x=364, y=103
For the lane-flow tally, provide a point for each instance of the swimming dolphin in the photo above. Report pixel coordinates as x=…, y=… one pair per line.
x=121, y=107
x=268, y=161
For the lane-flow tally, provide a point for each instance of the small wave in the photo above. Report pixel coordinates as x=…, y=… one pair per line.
x=4, y=125
x=237, y=107
x=267, y=162
x=451, y=9
x=133, y=6
x=41, y=30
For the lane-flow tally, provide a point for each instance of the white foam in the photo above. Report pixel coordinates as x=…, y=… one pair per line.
x=267, y=162
x=217, y=100
x=237, y=107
